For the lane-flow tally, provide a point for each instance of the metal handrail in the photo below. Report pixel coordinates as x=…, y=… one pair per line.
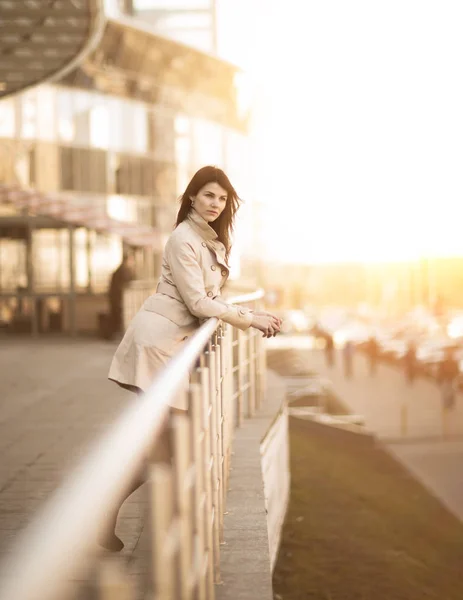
x=57, y=541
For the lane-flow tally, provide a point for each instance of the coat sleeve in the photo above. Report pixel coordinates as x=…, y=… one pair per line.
x=188, y=278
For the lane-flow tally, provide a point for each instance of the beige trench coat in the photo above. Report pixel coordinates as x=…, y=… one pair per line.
x=192, y=275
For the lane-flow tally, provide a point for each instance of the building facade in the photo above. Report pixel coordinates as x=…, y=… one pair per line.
x=94, y=163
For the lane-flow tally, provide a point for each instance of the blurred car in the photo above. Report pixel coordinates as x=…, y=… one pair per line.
x=455, y=327
x=358, y=333
x=431, y=352
x=393, y=347
x=295, y=321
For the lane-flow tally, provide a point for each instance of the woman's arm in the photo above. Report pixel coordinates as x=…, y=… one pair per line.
x=188, y=278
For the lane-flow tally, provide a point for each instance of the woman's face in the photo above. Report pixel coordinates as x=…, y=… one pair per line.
x=210, y=201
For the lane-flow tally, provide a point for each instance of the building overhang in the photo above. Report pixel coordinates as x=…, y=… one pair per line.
x=60, y=209
x=42, y=41
x=133, y=61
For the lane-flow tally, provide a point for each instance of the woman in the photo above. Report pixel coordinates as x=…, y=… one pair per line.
x=194, y=270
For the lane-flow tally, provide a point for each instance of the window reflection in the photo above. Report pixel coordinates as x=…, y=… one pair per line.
x=7, y=118
x=28, y=115
x=66, y=125
x=13, y=263
x=46, y=113
x=51, y=259
x=207, y=142
x=99, y=126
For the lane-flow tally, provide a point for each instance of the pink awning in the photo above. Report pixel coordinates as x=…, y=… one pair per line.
x=66, y=209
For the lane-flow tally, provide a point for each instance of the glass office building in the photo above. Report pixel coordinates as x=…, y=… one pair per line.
x=94, y=164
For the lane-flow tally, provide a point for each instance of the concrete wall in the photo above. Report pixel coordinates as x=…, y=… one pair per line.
x=276, y=474
x=258, y=467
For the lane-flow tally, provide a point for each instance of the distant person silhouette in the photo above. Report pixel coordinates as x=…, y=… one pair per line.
x=348, y=356
x=120, y=279
x=372, y=353
x=448, y=377
x=410, y=363
x=329, y=349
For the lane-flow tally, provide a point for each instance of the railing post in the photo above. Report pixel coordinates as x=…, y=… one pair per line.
x=261, y=367
x=184, y=492
x=220, y=428
x=215, y=460
x=252, y=373
x=200, y=516
x=164, y=534
x=229, y=413
x=114, y=582
x=241, y=377
x=208, y=473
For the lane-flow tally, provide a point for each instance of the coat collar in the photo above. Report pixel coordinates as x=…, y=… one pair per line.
x=201, y=226
x=198, y=224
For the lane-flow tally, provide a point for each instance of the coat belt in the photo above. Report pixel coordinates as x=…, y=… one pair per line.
x=168, y=290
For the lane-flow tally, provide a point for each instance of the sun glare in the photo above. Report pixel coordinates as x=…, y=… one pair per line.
x=360, y=129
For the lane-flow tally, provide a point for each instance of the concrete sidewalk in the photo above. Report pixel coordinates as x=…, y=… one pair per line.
x=55, y=399
x=428, y=440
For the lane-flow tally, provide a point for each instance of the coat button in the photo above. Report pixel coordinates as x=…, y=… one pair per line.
x=213, y=267
x=210, y=294
x=224, y=272
x=204, y=244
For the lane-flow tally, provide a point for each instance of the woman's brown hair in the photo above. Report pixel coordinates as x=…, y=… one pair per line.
x=223, y=225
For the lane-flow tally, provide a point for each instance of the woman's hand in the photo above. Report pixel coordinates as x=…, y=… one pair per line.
x=267, y=323
x=264, y=312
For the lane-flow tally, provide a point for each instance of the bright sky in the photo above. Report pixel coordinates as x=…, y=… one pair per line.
x=359, y=124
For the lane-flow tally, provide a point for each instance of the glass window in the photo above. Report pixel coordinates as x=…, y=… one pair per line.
x=140, y=128
x=24, y=165
x=164, y=134
x=134, y=175
x=51, y=259
x=106, y=257
x=81, y=257
x=99, y=126
x=7, y=118
x=182, y=21
x=66, y=125
x=46, y=113
x=28, y=115
x=172, y=4
x=12, y=262
x=129, y=125
x=90, y=119
x=83, y=118
x=81, y=106
x=83, y=169
x=121, y=208
x=17, y=162
x=183, y=152
x=207, y=143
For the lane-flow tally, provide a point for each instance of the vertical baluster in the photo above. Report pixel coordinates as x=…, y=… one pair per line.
x=164, y=558
x=200, y=516
x=227, y=391
x=241, y=376
x=219, y=441
x=261, y=369
x=114, y=582
x=208, y=471
x=231, y=385
x=252, y=372
x=215, y=461
x=184, y=492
